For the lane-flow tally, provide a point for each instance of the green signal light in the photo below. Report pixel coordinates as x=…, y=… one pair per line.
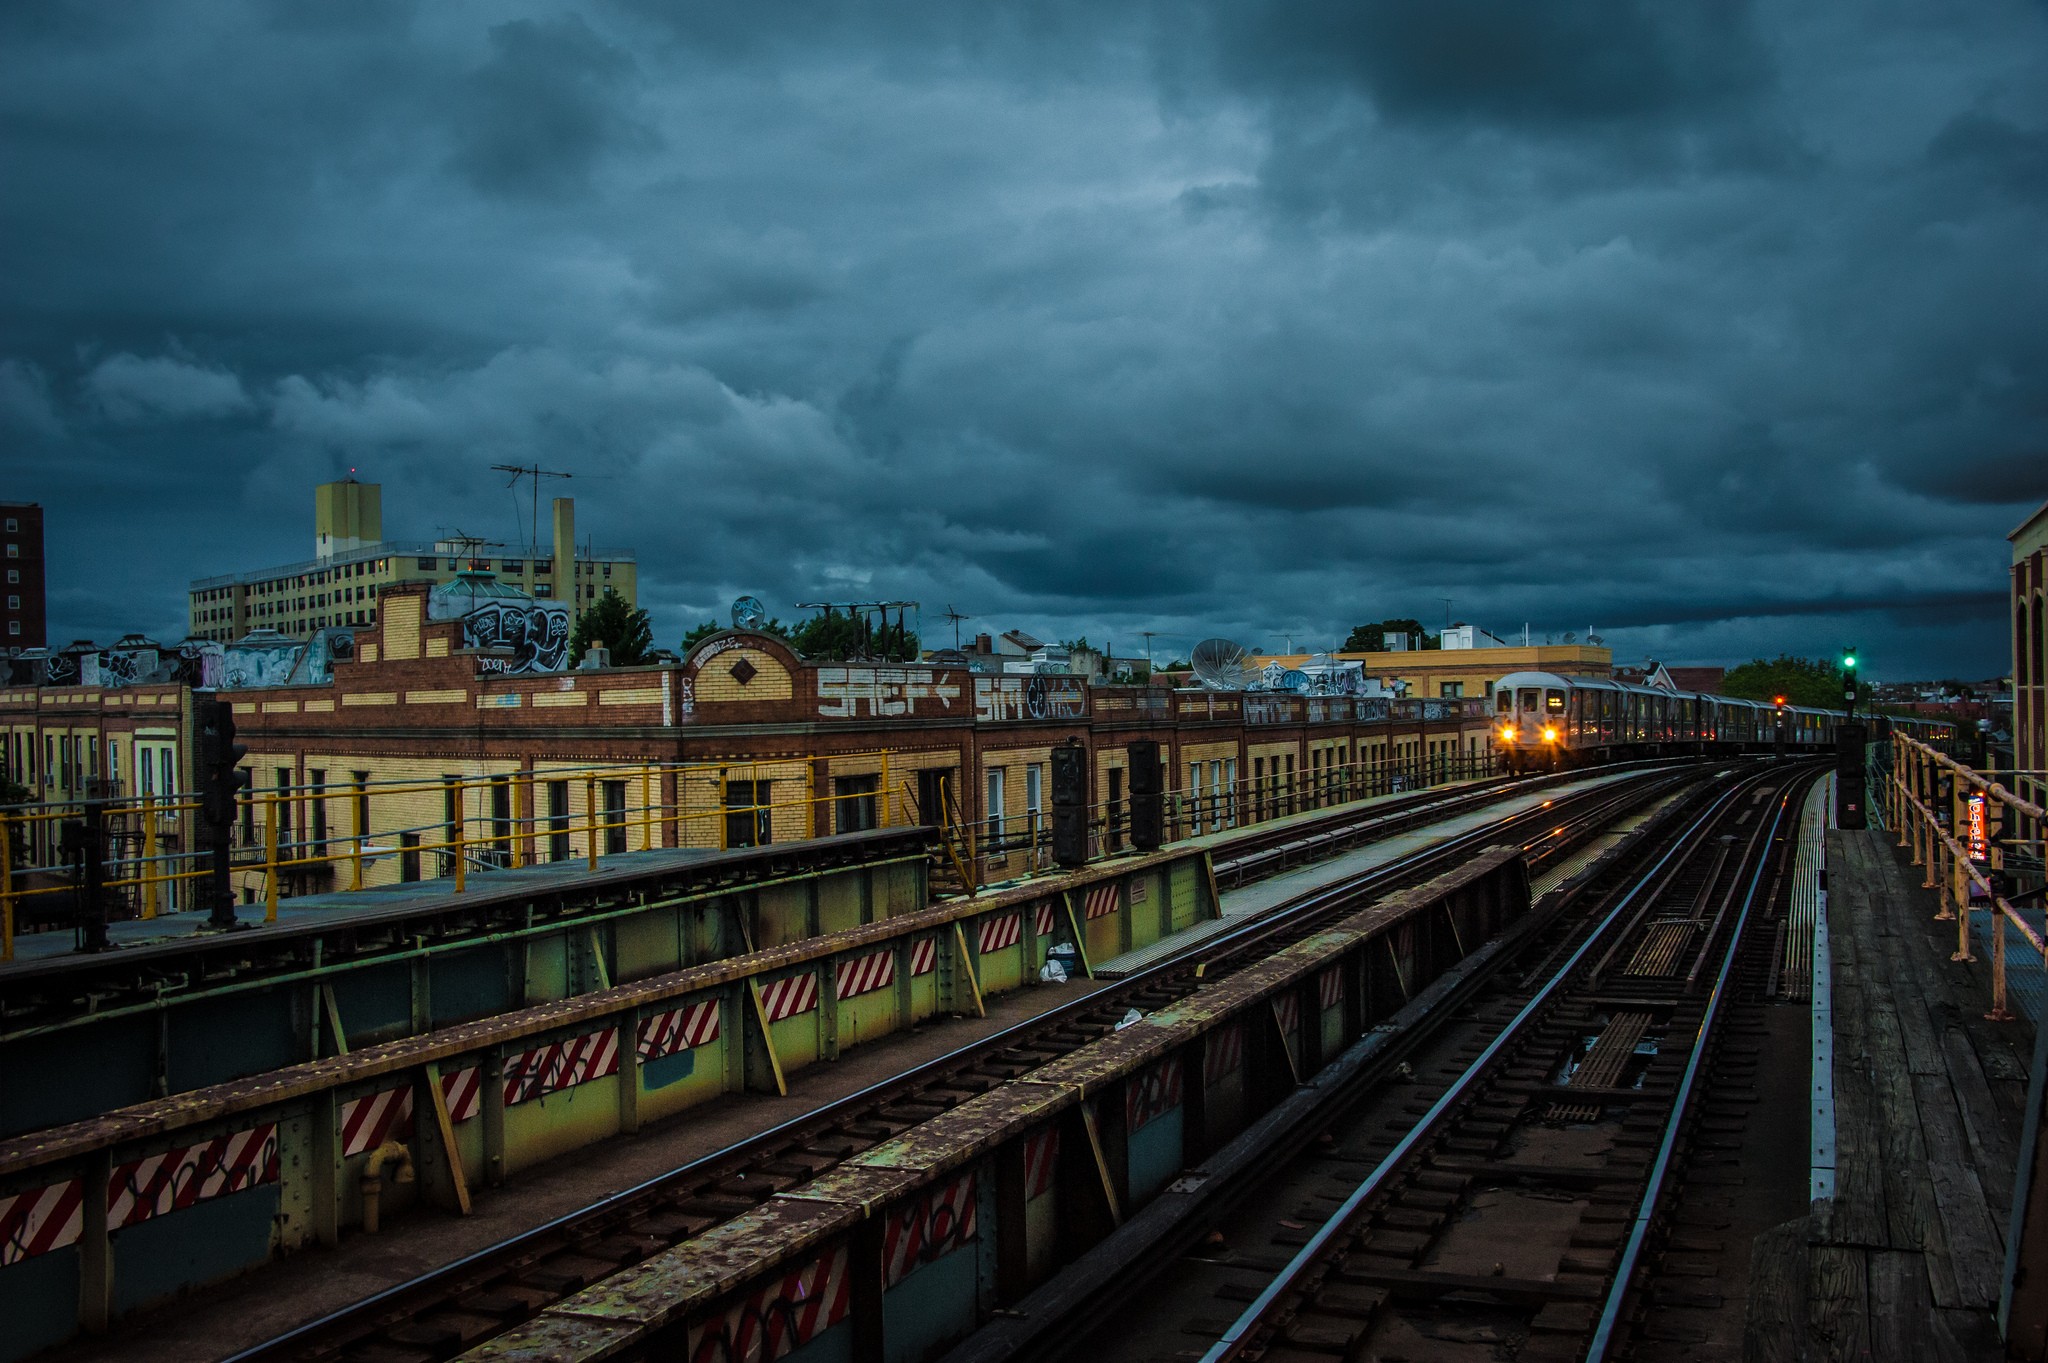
x=1849, y=662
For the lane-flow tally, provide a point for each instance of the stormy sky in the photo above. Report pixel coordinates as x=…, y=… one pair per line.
x=1718, y=328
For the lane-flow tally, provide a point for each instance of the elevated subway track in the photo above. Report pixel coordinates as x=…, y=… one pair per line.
x=968, y=1087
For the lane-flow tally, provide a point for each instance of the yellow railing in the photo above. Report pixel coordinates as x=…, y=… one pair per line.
x=281, y=843
x=1929, y=801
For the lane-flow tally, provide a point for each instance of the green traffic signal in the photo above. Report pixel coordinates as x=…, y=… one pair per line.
x=1849, y=660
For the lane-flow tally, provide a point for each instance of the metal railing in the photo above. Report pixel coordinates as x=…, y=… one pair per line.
x=151, y=853
x=1965, y=827
x=1000, y=848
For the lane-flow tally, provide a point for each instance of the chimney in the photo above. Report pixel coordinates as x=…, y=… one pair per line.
x=984, y=644
x=565, y=554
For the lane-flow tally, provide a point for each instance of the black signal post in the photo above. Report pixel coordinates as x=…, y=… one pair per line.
x=221, y=781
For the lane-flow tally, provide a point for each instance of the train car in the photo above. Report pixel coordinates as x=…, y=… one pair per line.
x=1544, y=719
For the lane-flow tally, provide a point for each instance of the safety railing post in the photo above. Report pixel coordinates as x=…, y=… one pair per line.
x=6, y=888
x=459, y=836
x=149, y=872
x=270, y=867
x=646, y=809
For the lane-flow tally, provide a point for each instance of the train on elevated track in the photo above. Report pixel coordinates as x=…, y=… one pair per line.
x=1544, y=720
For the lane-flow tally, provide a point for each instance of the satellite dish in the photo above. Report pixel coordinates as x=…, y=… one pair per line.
x=1219, y=664
x=748, y=613
x=1570, y=637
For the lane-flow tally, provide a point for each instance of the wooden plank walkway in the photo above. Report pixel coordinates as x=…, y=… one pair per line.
x=1905, y=1261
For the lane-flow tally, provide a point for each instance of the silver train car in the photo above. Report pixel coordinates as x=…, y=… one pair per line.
x=1542, y=719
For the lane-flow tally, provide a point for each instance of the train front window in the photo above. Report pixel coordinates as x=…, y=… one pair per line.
x=1526, y=698
x=1504, y=700
x=1553, y=701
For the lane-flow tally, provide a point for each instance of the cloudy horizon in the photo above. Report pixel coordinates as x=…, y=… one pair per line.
x=1714, y=329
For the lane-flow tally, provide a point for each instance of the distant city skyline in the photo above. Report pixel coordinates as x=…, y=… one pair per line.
x=1715, y=328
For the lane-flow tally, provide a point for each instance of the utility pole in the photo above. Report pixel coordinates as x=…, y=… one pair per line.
x=1148, y=653
x=536, y=473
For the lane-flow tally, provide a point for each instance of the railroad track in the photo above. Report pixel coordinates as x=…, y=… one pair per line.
x=1513, y=1201
x=455, y=1307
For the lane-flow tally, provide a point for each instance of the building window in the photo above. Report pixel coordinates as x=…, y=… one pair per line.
x=14, y=551
x=408, y=856
x=615, y=816
x=853, y=803
x=994, y=812
x=558, y=821
x=316, y=777
x=747, y=814
x=1034, y=802
x=12, y=525
x=429, y=564
x=13, y=576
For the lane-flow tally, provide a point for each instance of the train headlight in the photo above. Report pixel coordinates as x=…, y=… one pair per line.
x=1507, y=734
x=1550, y=735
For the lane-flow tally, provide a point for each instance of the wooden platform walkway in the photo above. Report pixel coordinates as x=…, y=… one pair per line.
x=1906, y=1260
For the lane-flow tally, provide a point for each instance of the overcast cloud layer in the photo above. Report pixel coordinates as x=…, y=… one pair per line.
x=1718, y=328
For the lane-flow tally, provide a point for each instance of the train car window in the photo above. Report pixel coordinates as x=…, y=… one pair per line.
x=1527, y=697
x=1553, y=701
x=1504, y=700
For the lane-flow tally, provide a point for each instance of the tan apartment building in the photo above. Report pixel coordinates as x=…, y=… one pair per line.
x=353, y=562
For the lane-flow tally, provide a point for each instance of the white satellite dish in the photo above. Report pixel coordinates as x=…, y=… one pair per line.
x=748, y=613
x=1219, y=664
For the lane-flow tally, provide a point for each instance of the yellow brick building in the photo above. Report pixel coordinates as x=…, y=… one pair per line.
x=353, y=563
x=1465, y=672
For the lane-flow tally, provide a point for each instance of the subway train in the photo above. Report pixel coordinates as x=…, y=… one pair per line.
x=1541, y=720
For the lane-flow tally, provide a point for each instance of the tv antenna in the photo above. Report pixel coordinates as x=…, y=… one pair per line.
x=534, y=472
x=1219, y=664
x=467, y=547
x=956, y=617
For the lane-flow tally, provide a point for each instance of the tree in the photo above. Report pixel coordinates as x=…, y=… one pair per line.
x=624, y=630
x=837, y=637
x=711, y=627
x=1372, y=638
x=1801, y=681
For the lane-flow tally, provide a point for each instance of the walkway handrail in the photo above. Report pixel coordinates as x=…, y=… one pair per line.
x=1963, y=883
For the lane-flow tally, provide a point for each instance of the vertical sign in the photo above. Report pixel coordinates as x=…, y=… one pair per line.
x=1979, y=843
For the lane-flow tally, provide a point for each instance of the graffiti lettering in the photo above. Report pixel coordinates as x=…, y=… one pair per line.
x=1012, y=698
x=536, y=634
x=882, y=692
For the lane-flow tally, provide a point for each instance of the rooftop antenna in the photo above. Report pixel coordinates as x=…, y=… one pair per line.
x=536, y=473
x=956, y=617
x=1447, y=610
x=467, y=547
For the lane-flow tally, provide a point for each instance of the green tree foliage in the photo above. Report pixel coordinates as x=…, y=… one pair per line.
x=625, y=631
x=711, y=627
x=1372, y=638
x=1801, y=681
x=835, y=637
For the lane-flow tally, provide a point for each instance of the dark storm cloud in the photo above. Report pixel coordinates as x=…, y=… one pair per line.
x=1715, y=327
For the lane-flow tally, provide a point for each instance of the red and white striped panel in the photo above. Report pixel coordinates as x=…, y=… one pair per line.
x=40, y=1220
x=1152, y=1093
x=928, y=1228
x=1223, y=1052
x=1047, y=918
x=678, y=1029
x=189, y=1174
x=1041, y=1159
x=1287, y=1011
x=1330, y=988
x=369, y=1121
x=561, y=1065
x=785, y=998
x=777, y=1319
x=1102, y=900
x=924, y=956
x=463, y=1091
x=1003, y=930
x=865, y=974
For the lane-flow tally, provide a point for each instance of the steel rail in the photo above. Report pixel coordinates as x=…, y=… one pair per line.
x=1234, y=1340
x=1287, y=916
x=1610, y=1315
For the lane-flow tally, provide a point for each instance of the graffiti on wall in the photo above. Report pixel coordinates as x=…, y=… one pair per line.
x=884, y=692
x=1033, y=697
x=534, y=635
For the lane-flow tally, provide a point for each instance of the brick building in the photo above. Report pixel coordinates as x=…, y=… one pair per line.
x=24, y=622
x=2030, y=655
x=416, y=736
